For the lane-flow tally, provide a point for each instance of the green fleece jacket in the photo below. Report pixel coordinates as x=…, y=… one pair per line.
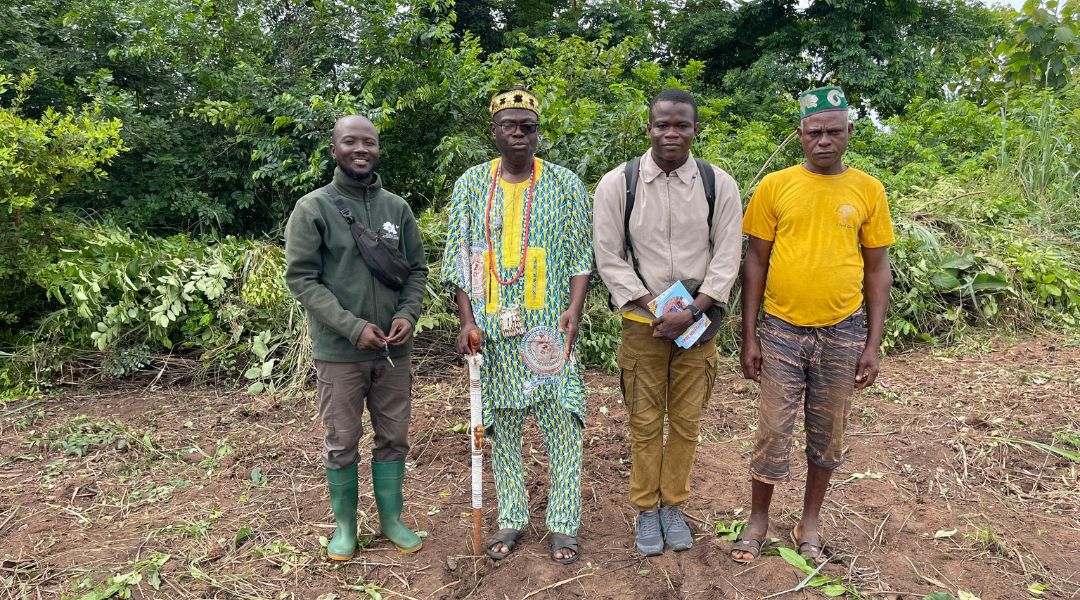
x=326, y=274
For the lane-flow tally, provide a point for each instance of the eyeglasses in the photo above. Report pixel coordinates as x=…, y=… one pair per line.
x=509, y=127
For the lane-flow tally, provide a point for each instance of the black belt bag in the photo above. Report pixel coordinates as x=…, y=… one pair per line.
x=385, y=262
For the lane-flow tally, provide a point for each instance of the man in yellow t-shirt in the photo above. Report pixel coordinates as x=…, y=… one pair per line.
x=819, y=234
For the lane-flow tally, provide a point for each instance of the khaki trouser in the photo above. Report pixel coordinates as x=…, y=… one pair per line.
x=343, y=390
x=660, y=379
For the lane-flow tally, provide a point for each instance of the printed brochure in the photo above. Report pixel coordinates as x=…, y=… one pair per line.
x=674, y=299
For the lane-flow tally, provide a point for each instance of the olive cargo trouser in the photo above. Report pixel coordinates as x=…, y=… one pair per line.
x=660, y=379
x=345, y=388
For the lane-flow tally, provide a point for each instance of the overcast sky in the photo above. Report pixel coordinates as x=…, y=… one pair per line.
x=1017, y=4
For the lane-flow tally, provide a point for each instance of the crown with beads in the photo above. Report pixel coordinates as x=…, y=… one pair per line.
x=517, y=97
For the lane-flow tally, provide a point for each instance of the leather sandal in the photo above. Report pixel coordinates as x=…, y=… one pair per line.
x=507, y=537
x=751, y=546
x=810, y=550
x=561, y=541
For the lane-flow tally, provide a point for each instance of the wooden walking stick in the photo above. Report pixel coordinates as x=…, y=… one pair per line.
x=476, y=428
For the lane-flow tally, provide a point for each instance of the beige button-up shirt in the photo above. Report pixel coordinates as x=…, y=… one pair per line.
x=669, y=232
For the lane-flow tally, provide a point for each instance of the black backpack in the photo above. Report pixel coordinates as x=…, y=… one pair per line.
x=708, y=181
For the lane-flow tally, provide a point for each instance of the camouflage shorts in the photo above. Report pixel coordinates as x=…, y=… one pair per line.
x=809, y=366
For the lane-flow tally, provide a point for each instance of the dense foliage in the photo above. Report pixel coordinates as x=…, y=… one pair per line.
x=151, y=151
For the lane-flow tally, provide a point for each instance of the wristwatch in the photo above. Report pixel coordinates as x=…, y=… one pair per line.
x=695, y=312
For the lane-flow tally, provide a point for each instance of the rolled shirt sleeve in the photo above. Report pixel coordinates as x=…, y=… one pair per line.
x=726, y=240
x=614, y=265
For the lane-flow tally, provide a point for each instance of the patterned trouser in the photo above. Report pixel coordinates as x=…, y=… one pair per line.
x=562, y=432
x=809, y=366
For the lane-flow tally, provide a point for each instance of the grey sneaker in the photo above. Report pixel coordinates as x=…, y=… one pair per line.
x=676, y=533
x=649, y=540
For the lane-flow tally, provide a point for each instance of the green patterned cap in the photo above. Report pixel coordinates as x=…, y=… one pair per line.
x=820, y=100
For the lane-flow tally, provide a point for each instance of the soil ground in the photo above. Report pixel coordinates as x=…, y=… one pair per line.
x=943, y=491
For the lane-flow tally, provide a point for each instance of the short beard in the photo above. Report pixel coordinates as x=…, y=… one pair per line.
x=357, y=176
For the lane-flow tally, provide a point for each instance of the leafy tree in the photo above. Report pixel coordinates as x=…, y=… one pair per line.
x=884, y=52
x=41, y=160
x=47, y=157
x=1045, y=48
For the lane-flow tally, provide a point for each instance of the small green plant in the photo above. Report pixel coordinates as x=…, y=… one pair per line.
x=730, y=533
x=281, y=553
x=868, y=416
x=263, y=367
x=1068, y=437
x=223, y=449
x=984, y=537
x=460, y=427
x=829, y=586
x=121, y=585
x=27, y=420
x=366, y=588
x=198, y=530
x=83, y=434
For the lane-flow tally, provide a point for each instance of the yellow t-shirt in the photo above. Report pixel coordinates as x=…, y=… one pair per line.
x=818, y=225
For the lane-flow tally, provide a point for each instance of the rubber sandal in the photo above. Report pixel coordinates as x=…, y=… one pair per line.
x=814, y=552
x=507, y=537
x=751, y=546
x=564, y=542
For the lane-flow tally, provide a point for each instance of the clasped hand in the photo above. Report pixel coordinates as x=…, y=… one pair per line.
x=671, y=325
x=372, y=338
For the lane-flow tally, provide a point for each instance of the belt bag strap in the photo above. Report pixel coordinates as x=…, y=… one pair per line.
x=385, y=262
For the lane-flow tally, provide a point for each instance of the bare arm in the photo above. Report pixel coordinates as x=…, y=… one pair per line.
x=755, y=271
x=877, y=279
x=465, y=315
x=569, y=320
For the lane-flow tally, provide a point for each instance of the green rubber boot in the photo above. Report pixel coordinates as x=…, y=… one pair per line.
x=342, y=485
x=386, y=477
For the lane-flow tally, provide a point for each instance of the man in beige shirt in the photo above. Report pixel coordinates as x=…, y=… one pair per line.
x=674, y=235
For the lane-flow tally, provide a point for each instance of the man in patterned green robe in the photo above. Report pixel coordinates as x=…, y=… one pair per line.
x=518, y=257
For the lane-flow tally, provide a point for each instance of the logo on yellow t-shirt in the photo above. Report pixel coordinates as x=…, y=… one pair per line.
x=847, y=216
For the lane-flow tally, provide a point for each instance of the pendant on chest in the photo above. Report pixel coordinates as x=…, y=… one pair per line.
x=511, y=323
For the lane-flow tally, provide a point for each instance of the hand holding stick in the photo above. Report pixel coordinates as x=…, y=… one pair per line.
x=476, y=427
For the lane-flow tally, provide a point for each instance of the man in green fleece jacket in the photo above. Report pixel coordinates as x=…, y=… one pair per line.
x=361, y=330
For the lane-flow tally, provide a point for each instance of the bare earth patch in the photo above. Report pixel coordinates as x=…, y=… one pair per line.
x=962, y=476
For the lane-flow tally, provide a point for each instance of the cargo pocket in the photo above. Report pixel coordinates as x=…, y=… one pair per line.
x=326, y=401
x=627, y=383
x=712, y=364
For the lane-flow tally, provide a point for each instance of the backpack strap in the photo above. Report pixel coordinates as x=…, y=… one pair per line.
x=354, y=226
x=630, y=174
x=708, y=181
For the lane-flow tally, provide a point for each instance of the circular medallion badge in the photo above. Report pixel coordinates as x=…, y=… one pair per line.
x=542, y=351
